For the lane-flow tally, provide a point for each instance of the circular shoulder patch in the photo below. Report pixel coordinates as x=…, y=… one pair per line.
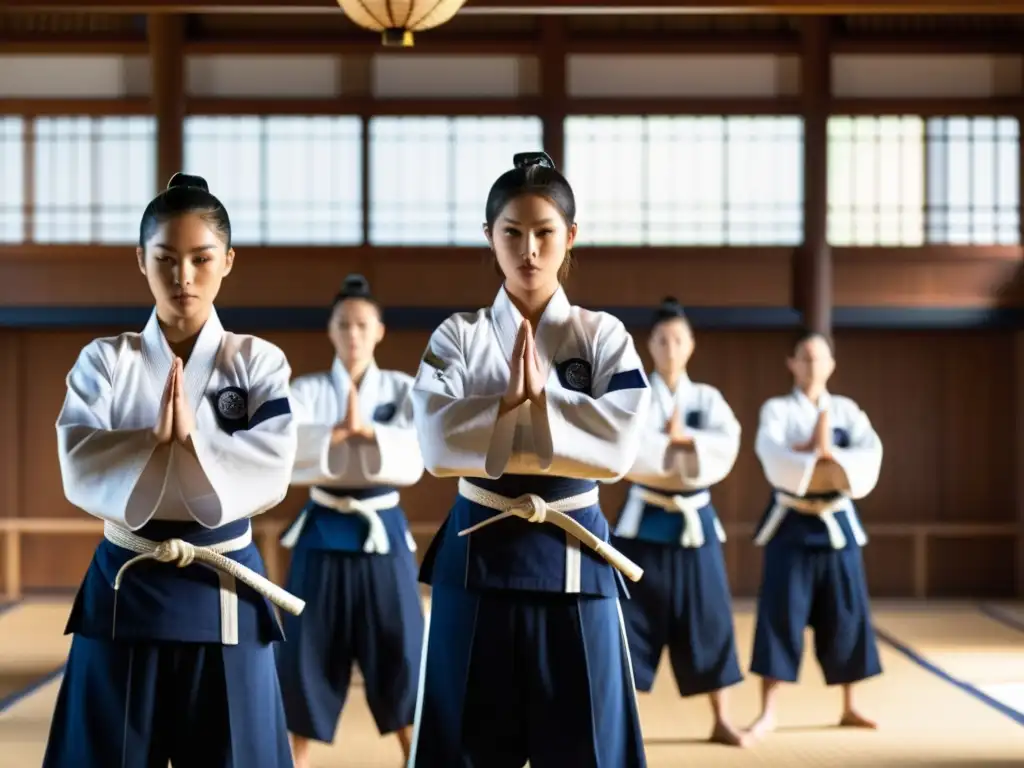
x=231, y=405
x=577, y=375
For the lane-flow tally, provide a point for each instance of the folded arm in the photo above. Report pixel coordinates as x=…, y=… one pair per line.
x=114, y=474
x=393, y=456
x=246, y=472
x=598, y=434
x=784, y=468
x=459, y=435
x=859, y=464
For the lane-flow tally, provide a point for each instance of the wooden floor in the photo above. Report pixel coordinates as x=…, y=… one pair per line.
x=952, y=695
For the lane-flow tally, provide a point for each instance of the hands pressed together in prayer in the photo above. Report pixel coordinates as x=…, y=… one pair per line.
x=176, y=420
x=677, y=436
x=821, y=439
x=352, y=426
x=526, y=382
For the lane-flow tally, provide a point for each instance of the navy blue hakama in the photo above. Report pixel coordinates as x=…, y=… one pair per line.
x=360, y=608
x=159, y=685
x=517, y=667
x=683, y=601
x=808, y=583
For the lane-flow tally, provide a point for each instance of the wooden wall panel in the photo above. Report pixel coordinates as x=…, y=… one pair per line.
x=935, y=276
x=949, y=456
x=965, y=566
x=943, y=276
x=942, y=402
x=421, y=277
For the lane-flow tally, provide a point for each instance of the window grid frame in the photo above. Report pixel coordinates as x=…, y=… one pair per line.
x=935, y=233
x=938, y=217
x=344, y=132
x=16, y=130
x=785, y=127
x=935, y=217
x=452, y=218
x=139, y=130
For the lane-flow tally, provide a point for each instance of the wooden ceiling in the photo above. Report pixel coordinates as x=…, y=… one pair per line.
x=520, y=7
x=225, y=32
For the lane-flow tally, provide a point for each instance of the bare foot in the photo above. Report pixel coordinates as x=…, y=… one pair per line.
x=853, y=719
x=405, y=740
x=300, y=752
x=761, y=727
x=724, y=733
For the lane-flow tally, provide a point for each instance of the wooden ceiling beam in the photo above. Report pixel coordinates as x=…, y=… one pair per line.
x=630, y=7
x=515, y=45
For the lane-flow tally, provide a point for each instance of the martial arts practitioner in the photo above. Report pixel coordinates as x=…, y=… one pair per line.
x=352, y=552
x=669, y=527
x=529, y=402
x=175, y=437
x=819, y=452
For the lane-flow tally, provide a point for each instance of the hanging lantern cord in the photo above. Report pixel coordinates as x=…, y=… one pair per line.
x=396, y=37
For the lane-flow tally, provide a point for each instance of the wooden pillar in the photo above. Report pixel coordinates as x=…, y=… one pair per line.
x=1018, y=359
x=167, y=54
x=553, y=86
x=812, y=266
x=1018, y=454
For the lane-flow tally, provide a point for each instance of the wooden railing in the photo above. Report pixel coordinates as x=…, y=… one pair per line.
x=267, y=532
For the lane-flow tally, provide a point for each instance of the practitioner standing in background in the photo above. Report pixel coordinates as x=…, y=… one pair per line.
x=529, y=402
x=820, y=453
x=175, y=437
x=669, y=527
x=352, y=552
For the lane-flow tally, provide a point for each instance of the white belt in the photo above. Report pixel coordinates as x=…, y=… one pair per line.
x=184, y=554
x=376, y=540
x=688, y=506
x=823, y=509
x=534, y=509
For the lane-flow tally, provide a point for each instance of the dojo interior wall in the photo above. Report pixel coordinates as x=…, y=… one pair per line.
x=946, y=518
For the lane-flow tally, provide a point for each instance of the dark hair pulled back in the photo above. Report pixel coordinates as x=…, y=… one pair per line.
x=355, y=286
x=806, y=334
x=185, y=194
x=669, y=309
x=533, y=173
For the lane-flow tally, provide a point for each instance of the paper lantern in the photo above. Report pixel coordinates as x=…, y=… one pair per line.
x=397, y=20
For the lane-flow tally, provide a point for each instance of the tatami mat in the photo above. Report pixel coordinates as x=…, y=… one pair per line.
x=929, y=716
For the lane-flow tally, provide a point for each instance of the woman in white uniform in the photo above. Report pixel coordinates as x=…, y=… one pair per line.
x=175, y=437
x=670, y=528
x=530, y=403
x=352, y=552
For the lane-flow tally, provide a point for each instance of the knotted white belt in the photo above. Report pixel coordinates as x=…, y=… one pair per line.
x=376, y=540
x=688, y=506
x=824, y=509
x=534, y=509
x=183, y=554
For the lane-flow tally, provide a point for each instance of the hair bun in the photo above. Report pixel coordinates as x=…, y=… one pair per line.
x=188, y=181
x=528, y=159
x=669, y=309
x=355, y=285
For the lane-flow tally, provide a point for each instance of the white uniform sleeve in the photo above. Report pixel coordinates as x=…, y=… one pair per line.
x=715, y=445
x=114, y=474
x=784, y=468
x=393, y=457
x=655, y=458
x=460, y=435
x=861, y=462
x=316, y=460
x=248, y=472
x=596, y=435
